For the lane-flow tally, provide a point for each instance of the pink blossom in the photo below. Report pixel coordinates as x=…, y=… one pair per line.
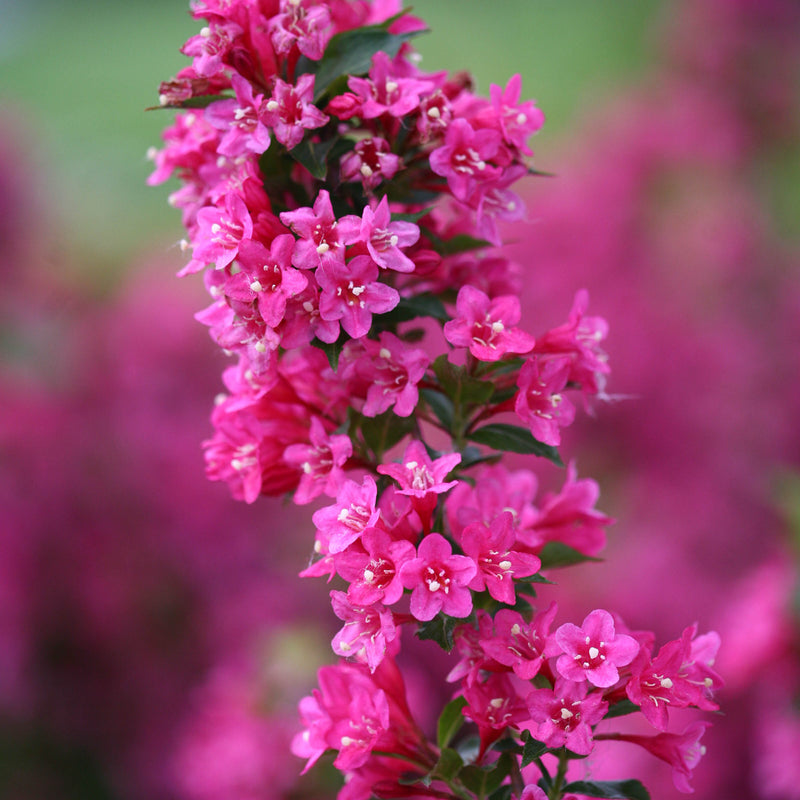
x=371, y=161
x=519, y=644
x=494, y=706
x=320, y=462
x=565, y=714
x=438, y=580
x=492, y=549
x=352, y=293
x=210, y=47
x=243, y=120
x=373, y=569
x=367, y=632
x=354, y=511
x=297, y=25
x=319, y=241
x=516, y=121
x=220, y=232
x=291, y=111
x=594, y=651
x=486, y=326
x=540, y=402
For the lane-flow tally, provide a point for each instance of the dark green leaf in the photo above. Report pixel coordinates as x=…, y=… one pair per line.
x=482, y=781
x=440, y=405
x=450, y=721
x=421, y=305
x=532, y=750
x=461, y=243
x=350, y=53
x=621, y=708
x=460, y=387
x=535, y=578
x=333, y=349
x=513, y=439
x=611, y=790
x=558, y=554
x=384, y=431
x=313, y=156
x=440, y=630
x=199, y=101
x=503, y=793
x=448, y=765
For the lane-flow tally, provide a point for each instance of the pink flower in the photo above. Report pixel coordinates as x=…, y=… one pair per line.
x=494, y=706
x=291, y=111
x=220, y=232
x=594, y=652
x=307, y=29
x=517, y=122
x=492, y=550
x=486, y=326
x=367, y=631
x=353, y=512
x=352, y=293
x=242, y=120
x=540, y=403
x=371, y=161
x=565, y=715
x=438, y=580
x=320, y=462
x=519, y=644
x=319, y=241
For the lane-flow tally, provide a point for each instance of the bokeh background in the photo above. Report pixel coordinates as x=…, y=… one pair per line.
x=154, y=639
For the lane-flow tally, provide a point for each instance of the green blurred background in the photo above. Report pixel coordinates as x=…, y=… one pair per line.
x=78, y=76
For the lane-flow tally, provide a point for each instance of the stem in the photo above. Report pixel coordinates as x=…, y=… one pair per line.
x=558, y=782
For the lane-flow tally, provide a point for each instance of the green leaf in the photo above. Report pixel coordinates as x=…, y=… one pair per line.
x=450, y=721
x=385, y=431
x=440, y=630
x=448, y=765
x=332, y=349
x=313, y=156
x=421, y=305
x=558, y=554
x=503, y=793
x=532, y=750
x=513, y=439
x=440, y=405
x=198, y=101
x=482, y=781
x=461, y=243
x=350, y=53
x=621, y=708
x=613, y=790
x=459, y=386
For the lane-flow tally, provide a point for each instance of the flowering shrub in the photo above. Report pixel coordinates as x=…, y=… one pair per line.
x=345, y=209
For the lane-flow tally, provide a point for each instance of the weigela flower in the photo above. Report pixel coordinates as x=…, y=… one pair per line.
x=319, y=241
x=565, y=714
x=492, y=549
x=486, y=326
x=290, y=111
x=540, y=403
x=367, y=632
x=371, y=161
x=220, y=232
x=494, y=706
x=300, y=26
x=353, y=512
x=594, y=651
x=438, y=580
x=242, y=120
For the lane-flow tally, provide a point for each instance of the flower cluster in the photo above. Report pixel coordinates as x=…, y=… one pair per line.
x=345, y=208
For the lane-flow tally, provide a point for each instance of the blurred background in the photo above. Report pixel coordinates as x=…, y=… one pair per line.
x=154, y=639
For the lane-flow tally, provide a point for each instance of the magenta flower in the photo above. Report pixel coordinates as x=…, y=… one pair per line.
x=319, y=241
x=209, y=47
x=371, y=161
x=291, y=111
x=242, y=119
x=352, y=293
x=517, y=122
x=367, y=631
x=354, y=511
x=594, y=652
x=373, y=569
x=220, y=232
x=320, y=462
x=438, y=580
x=422, y=478
x=492, y=549
x=494, y=706
x=540, y=403
x=301, y=27
x=519, y=644
x=564, y=715
x=486, y=326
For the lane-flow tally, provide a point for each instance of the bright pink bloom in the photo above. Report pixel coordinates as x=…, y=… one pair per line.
x=519, y=644
x=472, y=659
x=517, y=122
x=352, y=293
x=242, y=120
x=492, y=549
x=209, y=48
x=486, y=326
x=385, y=92
x=540, y=403
x=367, y=631
x=565, y=714
x=353, y=512
x=382, y=237
x=594, y=651
x=682, y=751
x=319, y=241
x=371, y=161
x=373, y=569
x=393, y=370
x=320, y=462
x=220, y=232
x=291, y=110
x=422, y=478
x=306, y=28
x=438, y=580
x=494, y=706
x=464, y=157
